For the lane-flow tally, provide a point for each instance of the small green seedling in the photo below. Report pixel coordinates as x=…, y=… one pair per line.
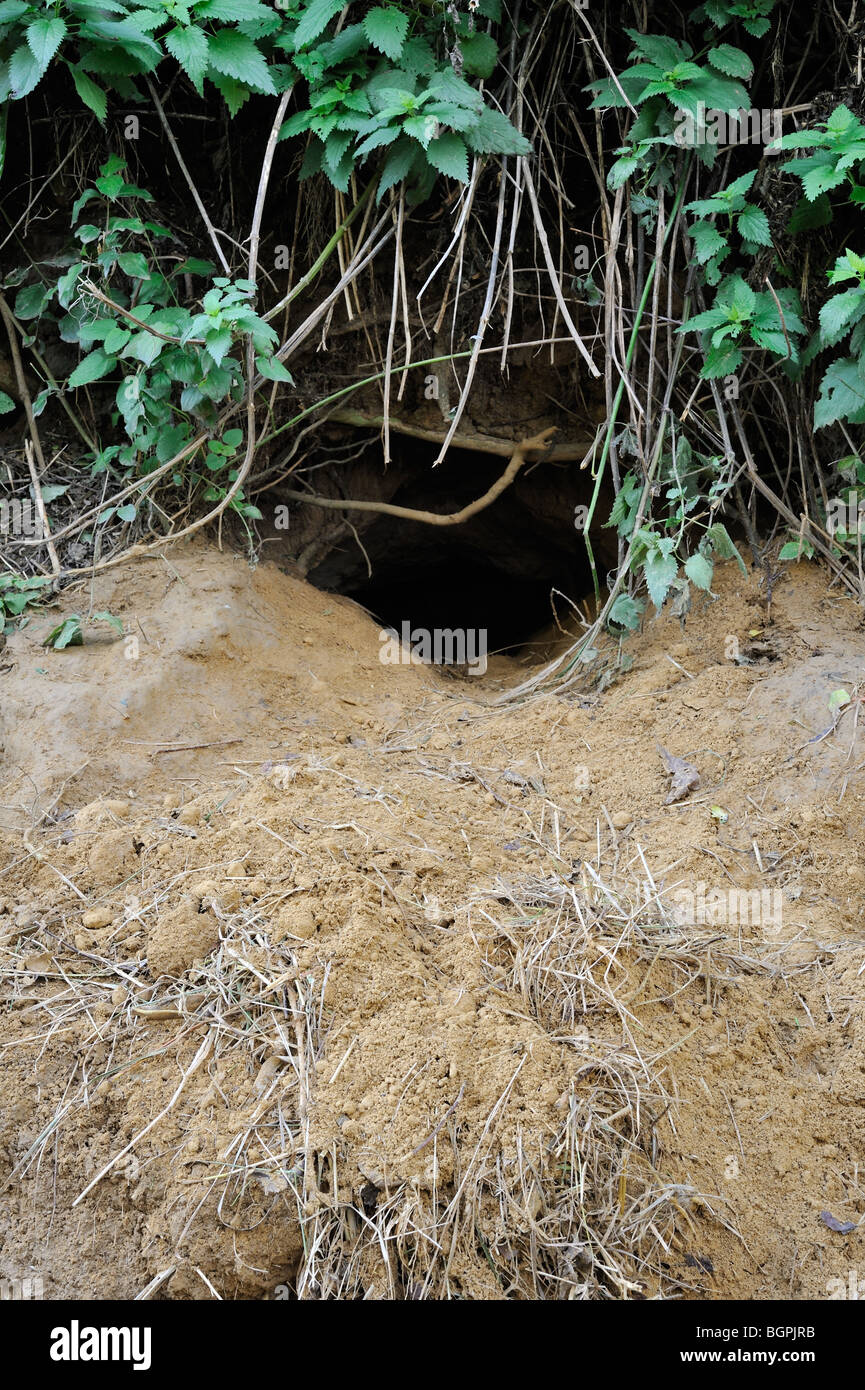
x=69, y=632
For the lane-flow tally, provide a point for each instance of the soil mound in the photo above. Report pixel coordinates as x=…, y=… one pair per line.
x=322, y=979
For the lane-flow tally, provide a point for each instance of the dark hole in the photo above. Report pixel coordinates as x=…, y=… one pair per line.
x=494, y=573
x=459, y=592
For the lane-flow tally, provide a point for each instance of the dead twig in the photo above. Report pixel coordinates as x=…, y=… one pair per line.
x=518, y=458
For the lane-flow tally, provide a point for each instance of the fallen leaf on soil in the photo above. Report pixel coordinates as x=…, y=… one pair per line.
x=685, y=776
x=39, y=965
x=842, y=1227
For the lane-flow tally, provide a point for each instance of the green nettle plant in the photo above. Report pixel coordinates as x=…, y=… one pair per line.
x=752, y=14
x=838, y=146
x=831, y=168
x=392, y=86
x=740, y=316
x=842, y=390
x=845, y=520
x=687, y=480
x=385, y=83
x=712, y=243
x=665, y=84
x=70, y=633
x=107, y=44
x=418, y=109
x=177, y=367
x=836, y=163
x=16, y=594
x=673, y=89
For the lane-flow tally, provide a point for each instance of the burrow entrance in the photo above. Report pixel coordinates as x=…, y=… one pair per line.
x=497, y=572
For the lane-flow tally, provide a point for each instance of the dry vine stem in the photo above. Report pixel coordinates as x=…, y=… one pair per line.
x=21, y=381
x=40, y=507
x=518, y=458
x=211, y=230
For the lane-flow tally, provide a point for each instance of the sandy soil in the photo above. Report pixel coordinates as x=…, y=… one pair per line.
x=321, y=979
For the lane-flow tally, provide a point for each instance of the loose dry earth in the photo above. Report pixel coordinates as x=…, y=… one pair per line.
x=319, y=977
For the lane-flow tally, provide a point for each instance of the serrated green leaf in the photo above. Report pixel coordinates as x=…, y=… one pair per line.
x=626, y=612
x=494, y=134
x=387, y=134
x=700, y=570
x=842, y=395
x=480, y=54
x=756, y=27
x=622, y=169
x=840, y=314
x=721, y=542
x=189, y=45
x=31, y=300
x=297, y=123
x=233, y=93
x=24, y=71
x=773, y=340
x=740, y=186
x=234, y=55
x=315, y=20
x=6, y=403
x=707, y=207
x=93, y=367
x=710, y=318
x=91, y=94
x=218, y=344
x=387, y=30
x=721, y=361
x=397, y=165
x=707, y=240
x=44, y=37
x=659, y=49
x=821, y=178
x=448, y=154
x=847, y=267
x=128, y=40
x=732, y=61
x=660, y=571
x=334, y=149
x=842, y=122
x=753, y=224
x=444, y=85
x=737, y=293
